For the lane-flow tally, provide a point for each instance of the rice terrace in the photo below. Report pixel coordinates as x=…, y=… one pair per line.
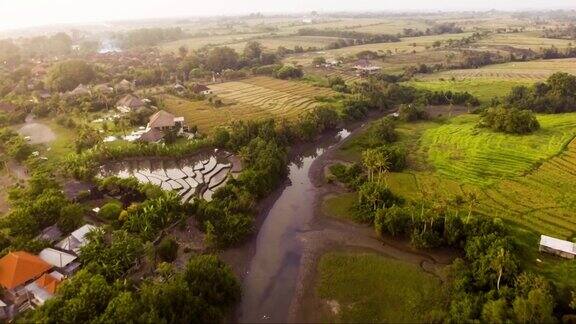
x=256, y=162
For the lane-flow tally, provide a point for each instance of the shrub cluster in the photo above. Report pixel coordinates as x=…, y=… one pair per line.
x=556, y=95
x=511, y=120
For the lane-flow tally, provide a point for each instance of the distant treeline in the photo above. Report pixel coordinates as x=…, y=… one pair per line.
x=437, y=29
x=144, y=37
x=561, y=33
x=556, y=95
x=349, y=38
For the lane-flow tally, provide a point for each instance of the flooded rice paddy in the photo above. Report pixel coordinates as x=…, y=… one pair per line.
x=194, y=177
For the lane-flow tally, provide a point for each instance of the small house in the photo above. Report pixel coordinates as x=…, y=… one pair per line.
x=165, y=121
x=62, y=261
x=124, y=86
x=160, y=123
x=42, y=289
x=129, y=103
x=562, y=248
x=18, y=270
x=50, y=234
x=179, y=88
x=76, y=239
x=365, y=67
x=200, y=89
x=152, y=136
x=80, y=90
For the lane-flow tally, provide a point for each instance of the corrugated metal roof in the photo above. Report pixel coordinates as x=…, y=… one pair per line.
x=557, y=244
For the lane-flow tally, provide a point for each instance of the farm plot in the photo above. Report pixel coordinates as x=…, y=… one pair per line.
x=198, y=42
x=272, y=43
x=514, y=71
x=253, y=98
x=189, y=178
x=483, y=88
x=405, y=46
x=529, y=40
x=461, y=151
x=525, y=179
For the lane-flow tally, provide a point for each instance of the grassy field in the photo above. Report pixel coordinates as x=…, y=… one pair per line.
x=253, y=98
x=483, y=88
x=405, y=46
x=528, y=40
x=272, y=43
x=339, y=206
x=513, y=71
x=367, y=288
x=198, y=42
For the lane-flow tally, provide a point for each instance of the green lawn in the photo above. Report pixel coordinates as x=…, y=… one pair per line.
x=340, y=206
x=483, y=89
x=371, y=288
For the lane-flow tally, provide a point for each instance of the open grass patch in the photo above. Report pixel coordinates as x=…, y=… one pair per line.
x=340, y=206
x=483, y=88
x=370, y=288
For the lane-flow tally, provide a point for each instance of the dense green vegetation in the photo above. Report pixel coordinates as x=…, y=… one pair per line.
x=201, y=293
x=509, y=120
x=556, y=95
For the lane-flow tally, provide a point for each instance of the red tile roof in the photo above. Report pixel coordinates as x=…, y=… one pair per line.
x=48, y=283
x=19, y=267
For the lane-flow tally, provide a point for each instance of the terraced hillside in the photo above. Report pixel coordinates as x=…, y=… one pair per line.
x=253, y=98
x=526, y=179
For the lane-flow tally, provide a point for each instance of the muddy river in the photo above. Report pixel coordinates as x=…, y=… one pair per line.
x=273, y=271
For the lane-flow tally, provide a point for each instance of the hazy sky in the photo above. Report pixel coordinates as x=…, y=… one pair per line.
x=24, y=13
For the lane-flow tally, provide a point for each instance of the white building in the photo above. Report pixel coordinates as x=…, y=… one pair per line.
x=565, y=249
x=76, y=239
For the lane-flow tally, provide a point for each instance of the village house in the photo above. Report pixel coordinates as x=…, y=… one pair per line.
x=365, y=67
x=18, y=270
x=124, y=86
x=160, y=123
x=50, y=234
x=178, y=88
x=565, y=249
x=200, y=89
x=76, y=239
x=41, y=95
x=64, y=263
x=43, y=288
x=80, y=90
x=129, y=103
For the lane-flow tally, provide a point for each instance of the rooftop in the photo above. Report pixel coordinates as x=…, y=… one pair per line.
x=557, y=244
x=19, y=267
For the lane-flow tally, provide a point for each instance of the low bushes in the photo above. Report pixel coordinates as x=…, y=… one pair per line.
x=512, y=120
